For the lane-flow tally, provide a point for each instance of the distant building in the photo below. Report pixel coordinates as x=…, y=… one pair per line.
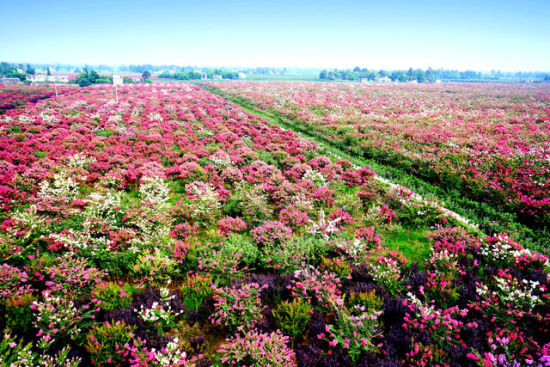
x=242, y=76
x=9, y=81
x=117, y=79
x=204, y=76
x=48, y=79
x=217, y=77
x=383, y=80
x=438, y=81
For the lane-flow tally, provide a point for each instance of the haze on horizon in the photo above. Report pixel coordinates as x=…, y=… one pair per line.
x=478, y=35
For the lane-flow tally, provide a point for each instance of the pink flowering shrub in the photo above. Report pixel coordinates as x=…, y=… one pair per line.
x=323, y=196
x=271, y=233
x=231, y=225
x=312, y=285
x=293, y=217
x=259, y=349
x=13, y=282
x=354, y=333
x=343, y=218
x=238, y=308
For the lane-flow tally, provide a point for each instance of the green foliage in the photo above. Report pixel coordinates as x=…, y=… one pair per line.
x=86, y=78
x=337, y=266
x=105, y=341
x=105, y=133
x=369, y=300
x=155, y=268
x=118, y=265
x=18, y=312
x=195, y=290
x=232, y=208
x=411, y=242
x=292, y=317
x=114, y=296
x=39, y=154
x=18, y=355
x=239, y=244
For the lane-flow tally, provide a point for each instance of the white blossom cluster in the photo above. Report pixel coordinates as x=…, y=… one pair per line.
x=80, y=160
x=155, y=116
x=159, y=311
x=323, y=227
x=62, y=186
x=155, y=191
x=315, y=177
x=511, y=292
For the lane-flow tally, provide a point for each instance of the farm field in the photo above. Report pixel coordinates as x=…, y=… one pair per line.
x=174, y=228
x=485, y=142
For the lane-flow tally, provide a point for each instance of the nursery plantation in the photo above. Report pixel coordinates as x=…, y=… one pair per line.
x=275, y=224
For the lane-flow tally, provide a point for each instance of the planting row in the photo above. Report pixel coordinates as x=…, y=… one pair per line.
x=15, y=96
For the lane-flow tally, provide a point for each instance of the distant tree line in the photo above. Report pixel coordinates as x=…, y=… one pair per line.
x=428, y=75
x=89, y=77
x=195, y=75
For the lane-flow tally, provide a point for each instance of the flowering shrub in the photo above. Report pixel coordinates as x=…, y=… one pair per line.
x=17, y=354
x=311, y=285
x=238, y=308
x=106, y=343
x=444, y=325
x=231, y=225
x=114, y=296
x=293, y=217
x=196, y=289
x=172, y=183
x=508, y=297
x=271, y=233
x=256, y=348
x=354, y=333
x=154, y=268
x=434, y=139
x=12, y=282
x=59, y=320
x=72, y=277
x=160, y=314
x=386, y=272
x=222, y=267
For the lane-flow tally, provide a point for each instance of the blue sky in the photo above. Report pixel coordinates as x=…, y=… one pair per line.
x=481, y=35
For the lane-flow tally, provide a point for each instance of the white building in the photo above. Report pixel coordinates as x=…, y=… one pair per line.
x=383, y=80
x=48, y=79
x=7, y=81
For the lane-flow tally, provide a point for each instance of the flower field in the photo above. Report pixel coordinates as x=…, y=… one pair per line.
x=487, y=142
x=172, y=228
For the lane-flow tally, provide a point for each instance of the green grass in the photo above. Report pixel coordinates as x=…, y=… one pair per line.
x=39, y=154
x=411, y=242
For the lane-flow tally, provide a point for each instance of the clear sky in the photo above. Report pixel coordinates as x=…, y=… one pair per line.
x=470, y=34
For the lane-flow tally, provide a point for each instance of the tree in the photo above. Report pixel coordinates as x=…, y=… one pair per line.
x=323, y=74
x=30, y=70
x=146, y=75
